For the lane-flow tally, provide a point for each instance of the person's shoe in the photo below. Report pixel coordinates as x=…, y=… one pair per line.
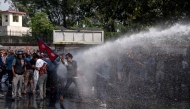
x=61, y=98
x=34, y=92
x=24, y=93
x=20, y=98
x=102, y=105
x=39, y=99
x=97, y=101
x=13, y=98
x=1, y=95
x=10, y=85
x=31, y=92
x=41, y=106
x=81, y=99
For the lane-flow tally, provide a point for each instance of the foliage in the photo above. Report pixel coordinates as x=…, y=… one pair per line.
x=113, y=16
x=41, y=27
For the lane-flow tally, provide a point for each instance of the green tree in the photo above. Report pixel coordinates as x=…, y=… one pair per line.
x=42, y=27
x=113, y=16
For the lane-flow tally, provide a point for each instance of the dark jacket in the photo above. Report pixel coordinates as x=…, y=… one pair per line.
x=19, y=65
x=1, y=62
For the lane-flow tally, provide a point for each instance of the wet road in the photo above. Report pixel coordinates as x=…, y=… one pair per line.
x=29, y=102
x=51, y=102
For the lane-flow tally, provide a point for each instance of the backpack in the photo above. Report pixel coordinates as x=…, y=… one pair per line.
x=43, y=69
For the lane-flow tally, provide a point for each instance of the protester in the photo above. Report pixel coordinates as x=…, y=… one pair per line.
x=1, y=61
x=1, y=69
x=33, y=63
x=36, y=75
x=9, y=62
x=159, y=73
x=52, y=73
x=120, y=71
x=1, y=65
x=28, y=76
x=137, y=70
x=103, y=76
x=42, y=70
x=18, y=69
x=71, y=66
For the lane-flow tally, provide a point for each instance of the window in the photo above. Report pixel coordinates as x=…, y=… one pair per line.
x=6, y=18
x=15, y=18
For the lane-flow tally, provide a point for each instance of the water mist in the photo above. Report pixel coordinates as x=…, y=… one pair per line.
x=154, y=41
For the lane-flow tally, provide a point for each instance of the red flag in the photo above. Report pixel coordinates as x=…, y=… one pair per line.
x=52, y=56
x=43, y=47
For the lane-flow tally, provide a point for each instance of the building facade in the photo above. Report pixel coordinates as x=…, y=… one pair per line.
x=12, y=24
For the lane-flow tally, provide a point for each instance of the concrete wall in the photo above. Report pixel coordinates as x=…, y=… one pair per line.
x=78, y=37
x=3, y=31
x=4, y=23
x=17, y=31
x=13, y=30
x=20, y=47
x=23, y=48
x=10, y=20
x=19, y=23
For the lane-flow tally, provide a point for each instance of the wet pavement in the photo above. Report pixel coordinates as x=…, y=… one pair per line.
x=114, y=102
x=51, y=102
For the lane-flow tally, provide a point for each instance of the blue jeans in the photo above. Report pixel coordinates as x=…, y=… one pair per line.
x=69, y=82
x=101, y=89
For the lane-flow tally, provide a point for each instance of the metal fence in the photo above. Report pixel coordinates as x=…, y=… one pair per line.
x=19, y=40
x=13, y=33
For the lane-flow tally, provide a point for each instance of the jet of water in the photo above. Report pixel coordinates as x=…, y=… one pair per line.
x=143, y=42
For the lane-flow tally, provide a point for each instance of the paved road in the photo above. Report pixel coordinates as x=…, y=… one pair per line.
x=114, y=102
x=51, y=102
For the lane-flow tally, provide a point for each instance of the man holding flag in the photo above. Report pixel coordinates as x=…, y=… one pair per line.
x=71, y=66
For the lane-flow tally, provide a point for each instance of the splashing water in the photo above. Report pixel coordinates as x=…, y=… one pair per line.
x=154, y=41
x=145, y=39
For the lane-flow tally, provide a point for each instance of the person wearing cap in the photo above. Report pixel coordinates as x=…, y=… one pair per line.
x=71, y=66
x=18, y=69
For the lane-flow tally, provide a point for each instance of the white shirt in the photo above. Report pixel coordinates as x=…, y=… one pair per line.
x=66, y=63
x=39, y=63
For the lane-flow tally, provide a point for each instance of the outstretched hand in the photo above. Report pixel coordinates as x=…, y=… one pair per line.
x=61, y=58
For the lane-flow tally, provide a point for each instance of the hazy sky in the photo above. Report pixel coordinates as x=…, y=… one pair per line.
x=4, y=6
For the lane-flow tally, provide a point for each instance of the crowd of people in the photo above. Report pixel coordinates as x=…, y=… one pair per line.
x=165, y=74
x=21, y=69
x=161, y=74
